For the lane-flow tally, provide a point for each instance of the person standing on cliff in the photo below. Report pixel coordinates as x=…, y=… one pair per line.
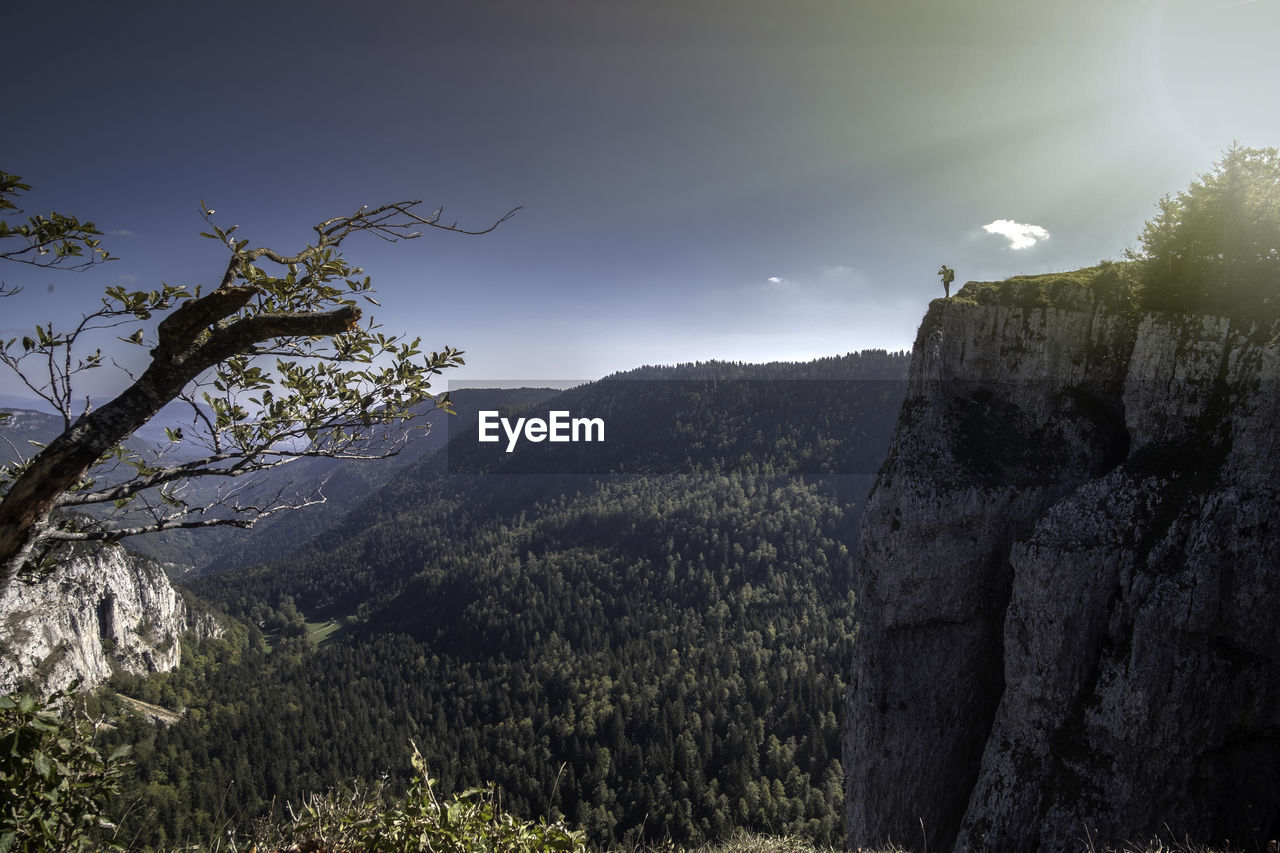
x=948, y=276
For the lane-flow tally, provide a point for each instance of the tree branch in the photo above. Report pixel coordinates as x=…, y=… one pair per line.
x=308, y=317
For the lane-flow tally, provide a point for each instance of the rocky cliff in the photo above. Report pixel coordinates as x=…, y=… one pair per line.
x=1069, y=575
x=96, y=613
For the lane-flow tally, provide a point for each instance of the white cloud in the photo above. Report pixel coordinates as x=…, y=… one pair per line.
x=1019, y=235
x=779, y=281
x=121, y=232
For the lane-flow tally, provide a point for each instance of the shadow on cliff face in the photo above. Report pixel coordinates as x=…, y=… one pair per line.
x=1001, y=443
x=975, y=463
x=1066, y=587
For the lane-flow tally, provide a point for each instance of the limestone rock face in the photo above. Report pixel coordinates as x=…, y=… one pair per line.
x=94, y=614
x=1068, y=585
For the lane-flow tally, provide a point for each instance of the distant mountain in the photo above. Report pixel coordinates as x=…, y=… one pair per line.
x=151, y=432
x=23, y=429
x=18, y=401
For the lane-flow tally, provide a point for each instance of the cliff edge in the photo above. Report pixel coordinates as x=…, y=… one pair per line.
x=96, y=613
x=1068, y=581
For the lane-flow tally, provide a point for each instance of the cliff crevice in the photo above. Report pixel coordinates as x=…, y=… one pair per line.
x=98, y=612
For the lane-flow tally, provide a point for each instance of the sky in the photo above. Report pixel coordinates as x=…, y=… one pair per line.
x=702, y=179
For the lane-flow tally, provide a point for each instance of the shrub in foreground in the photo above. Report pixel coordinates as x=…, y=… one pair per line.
x=366, y=822
x=54, y=783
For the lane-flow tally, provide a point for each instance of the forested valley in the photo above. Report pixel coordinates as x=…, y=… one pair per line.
x=648, y=638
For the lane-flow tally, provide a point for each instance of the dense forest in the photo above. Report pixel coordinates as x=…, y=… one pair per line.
x=649, y=643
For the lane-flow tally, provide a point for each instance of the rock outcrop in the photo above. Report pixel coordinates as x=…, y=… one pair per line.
x=1069, y=575
x=95, y=614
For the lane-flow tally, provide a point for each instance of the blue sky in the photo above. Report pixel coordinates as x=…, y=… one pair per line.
x=700, y=179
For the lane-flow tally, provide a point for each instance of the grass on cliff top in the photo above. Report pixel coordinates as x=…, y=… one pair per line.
x=1111, y=283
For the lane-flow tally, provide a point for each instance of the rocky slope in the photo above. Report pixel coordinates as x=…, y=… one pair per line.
x=1068, y=582
x=96, y=613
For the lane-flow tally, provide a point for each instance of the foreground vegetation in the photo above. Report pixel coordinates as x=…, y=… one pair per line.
x=56, y=785
x=370, y=820
x=56, y=788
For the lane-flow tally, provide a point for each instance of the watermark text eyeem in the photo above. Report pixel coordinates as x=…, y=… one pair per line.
x=558, y=426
